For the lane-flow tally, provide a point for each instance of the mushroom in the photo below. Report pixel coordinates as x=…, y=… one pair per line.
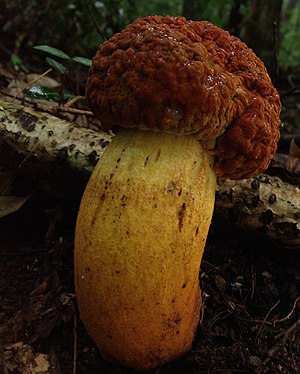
x=194, y=103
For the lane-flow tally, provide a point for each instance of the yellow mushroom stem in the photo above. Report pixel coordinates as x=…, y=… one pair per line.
x=140, y=235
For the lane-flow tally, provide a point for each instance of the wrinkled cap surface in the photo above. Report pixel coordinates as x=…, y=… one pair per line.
x=189, y=77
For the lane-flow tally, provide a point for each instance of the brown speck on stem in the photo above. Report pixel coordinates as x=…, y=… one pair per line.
x=181, y=215
x=146, y=161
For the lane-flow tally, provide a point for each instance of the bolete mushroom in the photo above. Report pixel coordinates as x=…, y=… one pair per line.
x=194, y=103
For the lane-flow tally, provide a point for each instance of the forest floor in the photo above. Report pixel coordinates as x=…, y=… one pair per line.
x=251, y=316
x=251, y=291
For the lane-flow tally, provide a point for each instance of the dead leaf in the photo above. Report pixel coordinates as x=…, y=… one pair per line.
x=294, y=149
x=293, y=165
x=286, y=167
x=42, y=80
x=10, y=204
x=44, y=313
x=21, y=358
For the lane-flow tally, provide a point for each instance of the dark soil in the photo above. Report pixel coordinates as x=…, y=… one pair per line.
x=251, y=289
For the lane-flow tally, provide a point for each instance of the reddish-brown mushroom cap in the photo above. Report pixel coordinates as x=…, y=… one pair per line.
x=189, y=77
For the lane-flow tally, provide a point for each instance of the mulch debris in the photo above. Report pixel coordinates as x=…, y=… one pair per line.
x=251, y=290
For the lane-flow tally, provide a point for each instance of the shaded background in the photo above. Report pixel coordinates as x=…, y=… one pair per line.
x=270, y=27
x=78, y=27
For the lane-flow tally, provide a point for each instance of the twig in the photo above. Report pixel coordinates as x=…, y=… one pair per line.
x=47, y=108
x=93, y=19
x=253, y=282
x=265, y=320
x=75, y=111
x=22, y=100
x=31, y=83
x=75, y=341
x=290, y=313
x=275, y=33
x=209, y=264
x=73, y=101
x=285, y=334
x=255, y=321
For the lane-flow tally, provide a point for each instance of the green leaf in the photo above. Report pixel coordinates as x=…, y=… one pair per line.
x=17, y=63
x=52, y=51
x=44, y=93
x=83, y=61
x=56, y=65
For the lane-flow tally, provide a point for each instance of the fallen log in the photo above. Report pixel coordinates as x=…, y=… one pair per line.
x=264, y=205
x=49, y=148
x=65, y=154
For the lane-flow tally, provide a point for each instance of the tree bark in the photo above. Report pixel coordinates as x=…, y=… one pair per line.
x=62, y=153
x=192, y=9
x=260, y=31
x=235, y=18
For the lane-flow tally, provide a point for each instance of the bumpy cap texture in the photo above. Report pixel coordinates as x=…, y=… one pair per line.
x=189, y=77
